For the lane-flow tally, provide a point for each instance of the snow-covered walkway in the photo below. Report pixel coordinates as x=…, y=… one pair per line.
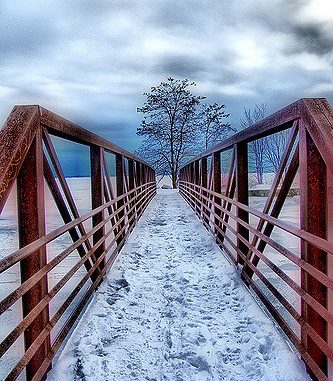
x=173, y=308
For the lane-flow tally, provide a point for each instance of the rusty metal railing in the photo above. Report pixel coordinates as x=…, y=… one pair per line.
x=220, y=197
x=28, y=158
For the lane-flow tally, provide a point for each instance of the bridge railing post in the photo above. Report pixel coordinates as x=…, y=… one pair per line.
x=313, y=219
x=120, y=168
x=242, y=194
x=197, y=182
x=191, y=179
x=144, y=174
x=330, y=261
x=154, y=175
x=131, y=186
x=97, y=198
x=138, y=173
x=217, y=189
x=139, y=182
x=31, y=224
x=204, y=185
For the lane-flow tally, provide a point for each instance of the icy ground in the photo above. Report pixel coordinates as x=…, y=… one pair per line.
x=173, y=308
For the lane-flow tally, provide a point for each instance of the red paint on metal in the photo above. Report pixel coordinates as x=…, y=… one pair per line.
x=97, y=197
x=31, y=217
x=314, y=220
x=203, y=168
x=216, y=162
x=316, y=155
x=120, y=168
x=242, y=193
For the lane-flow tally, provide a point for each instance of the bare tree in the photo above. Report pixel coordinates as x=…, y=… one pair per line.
x=175, y=127
x=211, y=127
x=275, y=146
x=258, y=146
x=169, y=125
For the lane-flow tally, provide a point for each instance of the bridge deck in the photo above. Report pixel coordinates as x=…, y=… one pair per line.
x=173, y=308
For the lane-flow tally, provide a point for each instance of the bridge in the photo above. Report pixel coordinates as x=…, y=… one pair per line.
x=85, y=295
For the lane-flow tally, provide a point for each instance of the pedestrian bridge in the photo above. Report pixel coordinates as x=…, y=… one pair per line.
x=111, y=281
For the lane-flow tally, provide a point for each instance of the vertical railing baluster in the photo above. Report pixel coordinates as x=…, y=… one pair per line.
x=217, y=189
x=204, y=185
x=31, y=225
x=138, y=173
x=144, y=174
x=330, y=261
x=242, y=194
x=313, y=219
x=196, y=182
x=97, y=198
x=143, y=189
x=131, y=186
x=192, y=186
x=120, y=168
x=138, y=184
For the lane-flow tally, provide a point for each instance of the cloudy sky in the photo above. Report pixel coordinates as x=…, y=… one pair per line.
x=91, y=60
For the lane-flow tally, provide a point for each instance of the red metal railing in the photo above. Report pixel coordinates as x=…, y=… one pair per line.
x=246, y=234
x=28, y=158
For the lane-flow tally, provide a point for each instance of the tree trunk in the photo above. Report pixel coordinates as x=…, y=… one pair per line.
x=174, y=179
x=260, y=172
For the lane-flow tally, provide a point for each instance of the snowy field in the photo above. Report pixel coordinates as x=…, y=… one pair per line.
x=173, y=308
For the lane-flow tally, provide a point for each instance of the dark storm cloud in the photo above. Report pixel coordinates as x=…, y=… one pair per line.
x=217, y=66
x=228, y=77
x=304, y=36
x=312, y=39
x=172, y=14
x=181, y=66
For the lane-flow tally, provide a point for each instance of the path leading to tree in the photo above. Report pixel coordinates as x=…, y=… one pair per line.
x=173, y=308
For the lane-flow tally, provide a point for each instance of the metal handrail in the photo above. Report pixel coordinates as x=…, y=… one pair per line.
x=28, y=158
x=226, y=214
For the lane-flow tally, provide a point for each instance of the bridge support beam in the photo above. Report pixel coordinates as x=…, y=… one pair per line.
x=313, y=215
x=242, y=193
x=120, y=169
x=217, y=189
x=131, y=186
x=204, y=183
x=330, y=261
x=197, y=182
x=139, y=182
x=31, y=220
x=97, y=198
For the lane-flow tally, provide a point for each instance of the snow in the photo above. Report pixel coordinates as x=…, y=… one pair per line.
x=173, y=308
